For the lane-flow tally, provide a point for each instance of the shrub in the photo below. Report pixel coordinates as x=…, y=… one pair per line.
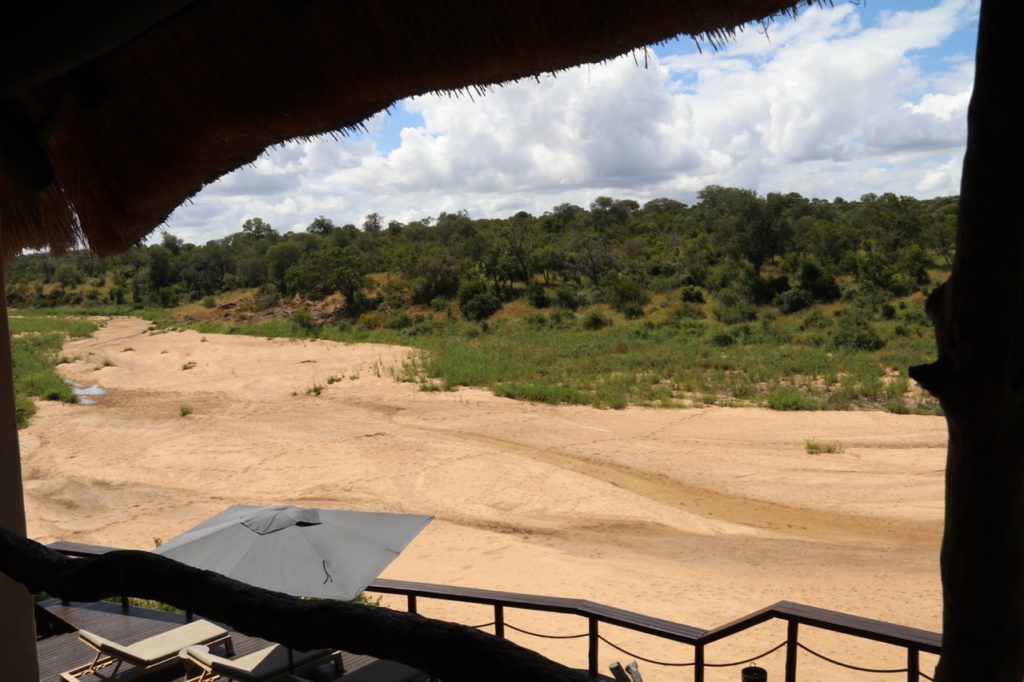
x=185, y=410
x=722, y=339
x=814, y=447
x=209, y=302
x=371, y=320
x=817, y=282
x=813, y=320
x=188, y=365
x=267, y=296
x=787, y=398
x=730, y=309
x=855, y=332
x=399, y=319
x=625, y=295
x=439, y=304
x=303, y=321
x=888, y=311
x=632, y=310
x=767, y=289
x=795, y=300
x=537, y=296
x=480, y=307
x=562, y=319
x=568, y=298
x=689, y=311
x=692, y=294
x=476, y=301
x=595, y=320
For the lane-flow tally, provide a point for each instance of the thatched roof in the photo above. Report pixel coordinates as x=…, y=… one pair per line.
x=112, y=116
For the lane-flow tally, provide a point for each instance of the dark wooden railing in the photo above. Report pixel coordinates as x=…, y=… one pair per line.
x=913, y=640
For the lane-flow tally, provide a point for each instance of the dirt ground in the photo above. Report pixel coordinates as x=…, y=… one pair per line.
x=697, y=516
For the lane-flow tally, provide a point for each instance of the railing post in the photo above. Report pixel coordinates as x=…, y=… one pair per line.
x=792, y=634
x=913, y=665
x=499, y=621
x=698, y=662
x=188, y=616
x=592, y=657
x=412, y=603
x=124, y=604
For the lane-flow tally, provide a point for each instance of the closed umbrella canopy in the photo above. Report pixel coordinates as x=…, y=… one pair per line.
x=331, y=554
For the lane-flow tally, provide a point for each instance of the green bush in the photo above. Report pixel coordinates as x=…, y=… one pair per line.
x=209, y=302
x=855, y=332
x=537, y=296
x=303, y=321
x=795, y=300
x=722, y=339
x=787, y=398
x=692, y=294
x=480, y=307
x=476, y=301
x=568, y=298
x=689, y=311
x=399, y=319
x=595, y=320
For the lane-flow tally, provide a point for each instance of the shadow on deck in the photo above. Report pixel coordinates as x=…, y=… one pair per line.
x=63, y=652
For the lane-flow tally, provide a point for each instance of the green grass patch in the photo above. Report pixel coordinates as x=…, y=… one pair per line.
x=814, y=447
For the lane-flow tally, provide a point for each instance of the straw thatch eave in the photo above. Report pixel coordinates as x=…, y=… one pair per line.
x=104, y=151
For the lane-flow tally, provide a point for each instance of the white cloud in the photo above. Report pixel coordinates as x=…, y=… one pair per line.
x=821, y=105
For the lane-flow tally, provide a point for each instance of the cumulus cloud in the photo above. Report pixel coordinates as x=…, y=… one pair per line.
x=822, y=105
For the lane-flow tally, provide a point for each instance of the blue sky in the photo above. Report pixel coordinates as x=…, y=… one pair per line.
x=841, y=101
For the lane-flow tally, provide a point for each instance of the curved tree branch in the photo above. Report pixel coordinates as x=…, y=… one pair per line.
x=446, y=650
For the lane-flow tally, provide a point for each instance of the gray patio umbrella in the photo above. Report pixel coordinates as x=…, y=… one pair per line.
x=324, y=553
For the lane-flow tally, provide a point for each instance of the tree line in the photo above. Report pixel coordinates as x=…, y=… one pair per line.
x=734, y=246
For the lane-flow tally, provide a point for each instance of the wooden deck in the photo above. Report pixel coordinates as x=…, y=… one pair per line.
x=64, y=652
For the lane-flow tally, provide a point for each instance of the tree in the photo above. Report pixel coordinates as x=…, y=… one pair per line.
x=321, y=273
x=320, y=226
x=257, y=229
x=741, y=222
x=159, y=267
x=373, y=223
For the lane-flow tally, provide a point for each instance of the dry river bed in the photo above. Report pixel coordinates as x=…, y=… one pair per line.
x=698, y=516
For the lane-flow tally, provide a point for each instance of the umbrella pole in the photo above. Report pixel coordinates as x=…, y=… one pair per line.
x=17, y=627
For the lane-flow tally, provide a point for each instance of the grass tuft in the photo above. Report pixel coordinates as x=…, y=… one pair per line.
x=814, y=447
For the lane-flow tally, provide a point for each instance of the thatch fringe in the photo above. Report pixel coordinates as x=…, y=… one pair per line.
x=138, y=131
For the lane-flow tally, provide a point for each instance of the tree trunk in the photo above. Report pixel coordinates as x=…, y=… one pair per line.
x=17, y=630
x=979, y=375
x=451, y=652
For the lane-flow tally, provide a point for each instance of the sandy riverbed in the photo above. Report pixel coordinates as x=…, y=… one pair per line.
x=698, y=516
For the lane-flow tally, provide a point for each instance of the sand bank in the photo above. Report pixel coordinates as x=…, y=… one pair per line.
x=698, y=516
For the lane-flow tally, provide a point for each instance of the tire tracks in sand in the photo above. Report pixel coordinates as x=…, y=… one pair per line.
x=768, y=517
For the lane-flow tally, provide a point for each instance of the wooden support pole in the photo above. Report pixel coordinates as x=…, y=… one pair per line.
x=17, y=621
x=499, y=621
x=979, y=374
x=913, y=665
x=698, y=663
x=592, y=648
x=792, y=637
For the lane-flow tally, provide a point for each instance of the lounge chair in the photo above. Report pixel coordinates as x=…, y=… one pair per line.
x=150, y=654
x=265, y=665
x=631, y=673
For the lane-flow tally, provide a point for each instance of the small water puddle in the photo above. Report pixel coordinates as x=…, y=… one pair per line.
x=86, y=395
